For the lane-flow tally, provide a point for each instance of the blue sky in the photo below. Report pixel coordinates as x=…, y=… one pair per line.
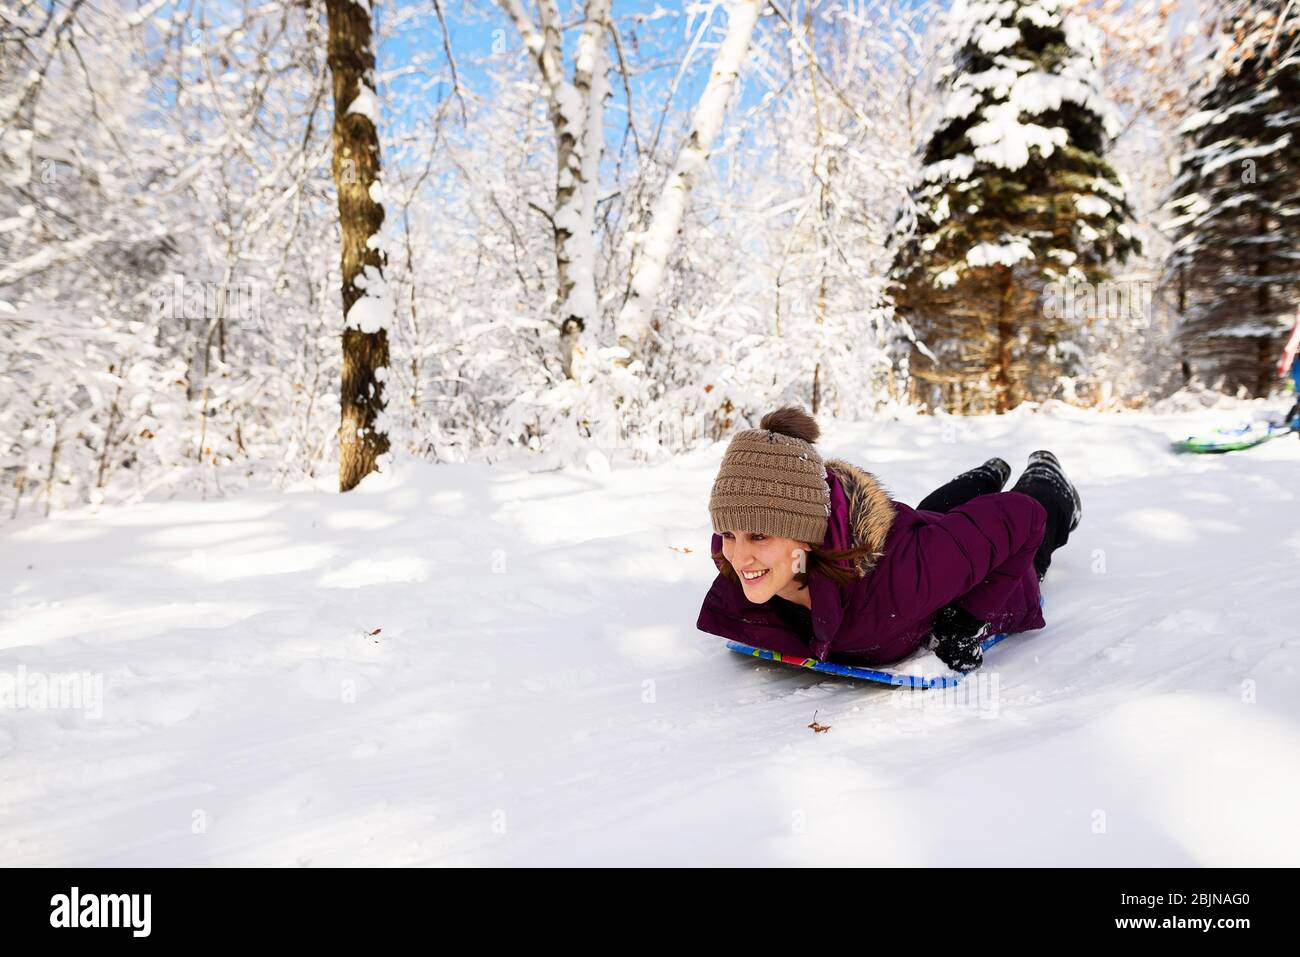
x=654, y=49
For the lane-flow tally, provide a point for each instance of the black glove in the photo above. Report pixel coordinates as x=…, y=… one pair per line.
x=956, y=637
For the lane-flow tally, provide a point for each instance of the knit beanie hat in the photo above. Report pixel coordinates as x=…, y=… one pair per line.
x=772, y=481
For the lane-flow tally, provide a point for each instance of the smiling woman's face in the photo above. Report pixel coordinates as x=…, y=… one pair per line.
x=766, y=564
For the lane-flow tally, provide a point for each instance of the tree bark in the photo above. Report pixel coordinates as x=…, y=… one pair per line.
x=356, y=170
x=1006, y=341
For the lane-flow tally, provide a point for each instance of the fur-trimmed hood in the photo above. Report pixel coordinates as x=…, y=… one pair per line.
x=871, y=511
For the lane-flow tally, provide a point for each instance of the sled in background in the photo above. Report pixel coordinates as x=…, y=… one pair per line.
x=1234, y=439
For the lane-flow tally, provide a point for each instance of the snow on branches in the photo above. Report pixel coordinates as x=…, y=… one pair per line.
x=1014, y=176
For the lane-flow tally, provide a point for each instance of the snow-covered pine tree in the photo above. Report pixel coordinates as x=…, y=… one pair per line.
x=1235, y=263
x=1015, y=193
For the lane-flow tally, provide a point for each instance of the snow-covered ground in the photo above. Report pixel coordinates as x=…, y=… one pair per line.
x=537, y=691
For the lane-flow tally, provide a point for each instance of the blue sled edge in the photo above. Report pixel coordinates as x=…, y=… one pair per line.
x=878, y=675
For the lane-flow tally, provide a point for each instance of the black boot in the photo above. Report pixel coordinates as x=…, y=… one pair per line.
x=982, y=480
x=957, y=638
x=1044, y=476
x=994, y=470
x=1002, y=469
x=1044, y=480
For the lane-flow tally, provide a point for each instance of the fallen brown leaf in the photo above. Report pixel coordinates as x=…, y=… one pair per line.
x=818, y=728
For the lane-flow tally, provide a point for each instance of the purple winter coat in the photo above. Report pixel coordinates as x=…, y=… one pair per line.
x=980, y=554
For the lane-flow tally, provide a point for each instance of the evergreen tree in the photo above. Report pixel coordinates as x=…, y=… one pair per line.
x=1015, y=193
x=1235, y=263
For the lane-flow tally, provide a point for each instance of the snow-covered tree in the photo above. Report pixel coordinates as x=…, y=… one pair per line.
x=1149, y=50
x=1235, y=263
x=1015, y=193
x=829, y=159
x=655, y=243
x=162, y=162
x=367, y=300
x=577, y=110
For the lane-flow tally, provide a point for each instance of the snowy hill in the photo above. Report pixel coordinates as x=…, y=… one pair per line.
x=537, y=691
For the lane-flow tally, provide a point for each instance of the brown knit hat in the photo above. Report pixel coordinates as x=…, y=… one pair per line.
x=772, y=481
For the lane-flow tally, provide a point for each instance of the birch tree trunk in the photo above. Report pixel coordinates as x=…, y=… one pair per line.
x=590, y=80
x=577, y=112
x=367, y=306
x=659, y=239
